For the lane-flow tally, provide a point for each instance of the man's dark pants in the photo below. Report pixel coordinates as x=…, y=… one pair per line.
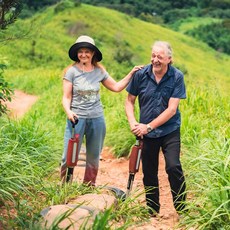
x=170, y=145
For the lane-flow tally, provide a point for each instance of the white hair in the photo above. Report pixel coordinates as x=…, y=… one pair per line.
x=165, y=45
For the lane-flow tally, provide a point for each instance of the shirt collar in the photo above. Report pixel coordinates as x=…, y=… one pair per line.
x=169, y=72
x=149, y=71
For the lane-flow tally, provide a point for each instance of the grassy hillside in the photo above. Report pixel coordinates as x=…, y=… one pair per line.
x=193, y=22
x=36, y=61
x=52, y=34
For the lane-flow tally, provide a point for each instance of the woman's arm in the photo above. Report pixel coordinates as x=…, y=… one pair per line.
x=67, y=98
x=114, y=86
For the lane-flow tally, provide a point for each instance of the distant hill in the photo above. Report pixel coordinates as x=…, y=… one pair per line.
x=204, y=20
x=211, y=18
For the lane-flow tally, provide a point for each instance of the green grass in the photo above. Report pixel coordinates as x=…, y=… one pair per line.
x=206, y=158
x=31, y=148
x=194, y=22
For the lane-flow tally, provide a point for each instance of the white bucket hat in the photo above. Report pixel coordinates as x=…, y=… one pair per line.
x=84, y=42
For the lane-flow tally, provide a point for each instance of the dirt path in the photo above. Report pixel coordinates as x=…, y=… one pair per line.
x=114, y=172
x=20, y=104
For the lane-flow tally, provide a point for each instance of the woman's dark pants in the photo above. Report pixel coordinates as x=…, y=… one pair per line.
x=170, y=146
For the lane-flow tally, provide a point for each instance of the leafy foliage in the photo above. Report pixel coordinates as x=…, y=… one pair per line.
x=37, y=4
x=216, y=35
x=6, y=91
x=9, y=11
x=65, y=4
x=155, y=7
x=172, y=12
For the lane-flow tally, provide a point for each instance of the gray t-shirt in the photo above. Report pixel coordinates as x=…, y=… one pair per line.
x=86, y=101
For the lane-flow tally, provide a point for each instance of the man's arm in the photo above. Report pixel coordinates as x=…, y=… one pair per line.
x=141, y=129
x=167, y=114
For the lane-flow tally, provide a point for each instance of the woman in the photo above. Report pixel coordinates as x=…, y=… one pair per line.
x=81, y=100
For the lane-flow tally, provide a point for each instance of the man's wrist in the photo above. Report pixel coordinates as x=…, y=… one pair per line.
x=149, y=128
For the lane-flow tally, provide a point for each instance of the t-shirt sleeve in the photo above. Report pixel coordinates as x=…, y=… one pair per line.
x=69, y=75
x=133, y=86
x=179, y=89
x=105, y=75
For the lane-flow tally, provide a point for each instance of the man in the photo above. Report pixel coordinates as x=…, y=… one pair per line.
x=159, y=87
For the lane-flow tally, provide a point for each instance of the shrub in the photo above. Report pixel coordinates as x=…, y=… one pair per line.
x=171, y=16
x=61, y=6
x=216, y=35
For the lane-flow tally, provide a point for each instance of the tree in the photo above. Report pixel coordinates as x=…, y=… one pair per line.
x=9, y=11
x=38, y=4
